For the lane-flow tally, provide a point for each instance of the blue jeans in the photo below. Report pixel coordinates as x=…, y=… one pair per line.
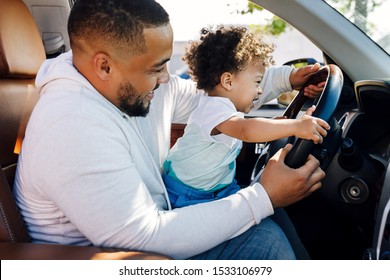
x=181, y=195
x=265, y=241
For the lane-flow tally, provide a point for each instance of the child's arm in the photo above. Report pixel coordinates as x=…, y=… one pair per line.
x=264, y=130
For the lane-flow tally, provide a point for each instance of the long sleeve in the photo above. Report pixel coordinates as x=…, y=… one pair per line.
x=276, y=80
x=90, y=174
x=109, y=192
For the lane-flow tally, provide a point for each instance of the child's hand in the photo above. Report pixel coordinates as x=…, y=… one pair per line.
x=314, y=91
x=299, y=77
x=311, y=128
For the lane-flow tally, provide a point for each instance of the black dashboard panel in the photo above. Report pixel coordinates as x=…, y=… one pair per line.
x=374, y=97
x=374, y=101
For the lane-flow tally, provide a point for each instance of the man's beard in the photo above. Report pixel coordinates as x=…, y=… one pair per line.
x=130, y=103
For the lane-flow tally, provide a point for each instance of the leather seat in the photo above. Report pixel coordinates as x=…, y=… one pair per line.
x=21, y=54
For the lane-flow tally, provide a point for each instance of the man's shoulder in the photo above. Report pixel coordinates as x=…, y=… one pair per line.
x=75, y=104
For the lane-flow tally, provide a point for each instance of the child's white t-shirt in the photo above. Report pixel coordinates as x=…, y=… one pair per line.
x=199, y=159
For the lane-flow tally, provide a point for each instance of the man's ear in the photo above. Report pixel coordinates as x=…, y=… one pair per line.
x=102, y=66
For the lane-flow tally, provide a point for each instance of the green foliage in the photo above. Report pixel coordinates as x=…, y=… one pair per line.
x=251, y=8
x=358, y=8
x=274, y=26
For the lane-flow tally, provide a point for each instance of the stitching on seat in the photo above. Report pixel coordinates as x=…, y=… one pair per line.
x=7, y=225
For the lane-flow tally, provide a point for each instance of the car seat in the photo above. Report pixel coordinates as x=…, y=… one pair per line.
x=21, y=54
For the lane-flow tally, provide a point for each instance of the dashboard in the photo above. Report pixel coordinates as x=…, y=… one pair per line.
x=355, y=191
x=372, y=128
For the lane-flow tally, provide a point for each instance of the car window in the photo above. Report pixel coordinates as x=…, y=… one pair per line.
x=290, y=44
x=370, y=16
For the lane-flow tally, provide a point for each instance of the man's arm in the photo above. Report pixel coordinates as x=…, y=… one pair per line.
x=183, y=96
x=278, y=80
x=101, y=179
x=105, y=186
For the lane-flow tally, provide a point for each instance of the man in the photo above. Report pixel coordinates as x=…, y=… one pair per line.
x=90, y=167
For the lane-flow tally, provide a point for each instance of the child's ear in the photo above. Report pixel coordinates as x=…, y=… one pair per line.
x=227, y=80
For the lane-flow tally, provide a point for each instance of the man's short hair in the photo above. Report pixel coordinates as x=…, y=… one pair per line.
x=119, y=24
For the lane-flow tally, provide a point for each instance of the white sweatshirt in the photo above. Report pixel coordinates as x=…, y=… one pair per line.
x=89, y=174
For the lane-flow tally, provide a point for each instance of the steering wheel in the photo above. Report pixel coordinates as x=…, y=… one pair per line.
x=326, y=105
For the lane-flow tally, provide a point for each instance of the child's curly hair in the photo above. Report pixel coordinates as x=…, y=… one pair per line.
x=225, y=49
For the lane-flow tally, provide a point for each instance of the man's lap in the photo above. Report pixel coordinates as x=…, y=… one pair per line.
x=263, y=241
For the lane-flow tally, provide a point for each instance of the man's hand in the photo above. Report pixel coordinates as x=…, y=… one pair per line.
x=286, y=185
x=299, y=77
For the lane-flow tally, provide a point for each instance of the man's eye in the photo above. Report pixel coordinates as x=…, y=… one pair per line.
x=156, y=71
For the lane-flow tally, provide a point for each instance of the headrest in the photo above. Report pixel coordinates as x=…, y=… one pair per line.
x=21, y=47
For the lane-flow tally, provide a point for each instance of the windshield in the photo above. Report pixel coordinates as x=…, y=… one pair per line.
x=370, y=16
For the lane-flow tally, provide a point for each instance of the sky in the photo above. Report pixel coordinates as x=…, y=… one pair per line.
x=189, y=16
x=380, y=18
x=199, y=13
